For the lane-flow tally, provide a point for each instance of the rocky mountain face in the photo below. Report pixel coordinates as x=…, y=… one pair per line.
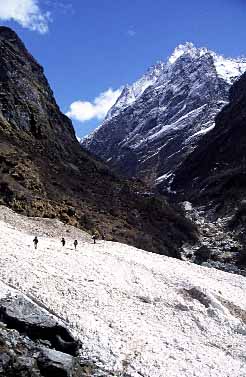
x=159, y=120
x=44, y=172
x=215, y=172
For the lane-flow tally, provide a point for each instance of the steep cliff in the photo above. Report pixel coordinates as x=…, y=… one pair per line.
x=216, y=171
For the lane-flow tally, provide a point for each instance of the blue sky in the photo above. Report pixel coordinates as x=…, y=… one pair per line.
x=90, y=49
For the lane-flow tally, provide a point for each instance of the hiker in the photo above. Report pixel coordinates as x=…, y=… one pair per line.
x=94, y=237
x=63, y=241
x=35, y=241
x=75, y=244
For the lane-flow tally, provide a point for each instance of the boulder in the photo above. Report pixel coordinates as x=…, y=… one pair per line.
x=53, y=363
x=28, y=318
x=203, y=254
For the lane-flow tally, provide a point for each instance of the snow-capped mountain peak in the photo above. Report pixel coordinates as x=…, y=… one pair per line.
x=187, y=48
x=158, y=120
x=227, y=68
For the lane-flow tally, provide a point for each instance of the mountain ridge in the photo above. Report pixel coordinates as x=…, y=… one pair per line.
x=149, y=136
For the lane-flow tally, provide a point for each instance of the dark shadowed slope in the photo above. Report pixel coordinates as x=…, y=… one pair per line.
x=216, y=171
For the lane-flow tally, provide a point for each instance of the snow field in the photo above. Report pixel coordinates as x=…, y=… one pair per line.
x=134, y=311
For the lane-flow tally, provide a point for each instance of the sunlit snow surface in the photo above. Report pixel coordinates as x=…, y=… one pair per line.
x=134, y=311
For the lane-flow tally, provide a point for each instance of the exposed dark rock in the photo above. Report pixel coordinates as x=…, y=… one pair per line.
x=57, y=364
x=219, y=246
x=17, y=355
x=197, y=294
x=241, y=262
x=29, y=319
x=21, y=357
x=28, y=332
x=203, y=254
x=239, y=217
x=44, y=172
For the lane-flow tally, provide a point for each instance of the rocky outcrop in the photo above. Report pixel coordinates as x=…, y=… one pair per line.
x=29, y=319
x=33, y=342
x=44, y=172
x=219, y=246
x=20, y=357
x=52, y=363
x=158, y=121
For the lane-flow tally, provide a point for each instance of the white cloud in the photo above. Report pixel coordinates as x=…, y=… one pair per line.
x=85, y=110
x=62, y=6
x=131, y=33
x=27, y=13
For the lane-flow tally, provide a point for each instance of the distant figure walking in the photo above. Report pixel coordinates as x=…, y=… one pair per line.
x=94, y=237
x=63, y=241
x=35, y=241
x=75, y=244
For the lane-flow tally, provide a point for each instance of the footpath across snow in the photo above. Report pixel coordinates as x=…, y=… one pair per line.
x=136, y=313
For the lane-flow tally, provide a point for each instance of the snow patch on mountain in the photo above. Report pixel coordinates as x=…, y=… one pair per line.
x=132, y=92
x=229, y=69
x=203, y=131
x=137, y=314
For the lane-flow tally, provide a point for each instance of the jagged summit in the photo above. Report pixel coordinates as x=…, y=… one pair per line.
x=187, y=48
x=158, y=120
x=227, y=68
